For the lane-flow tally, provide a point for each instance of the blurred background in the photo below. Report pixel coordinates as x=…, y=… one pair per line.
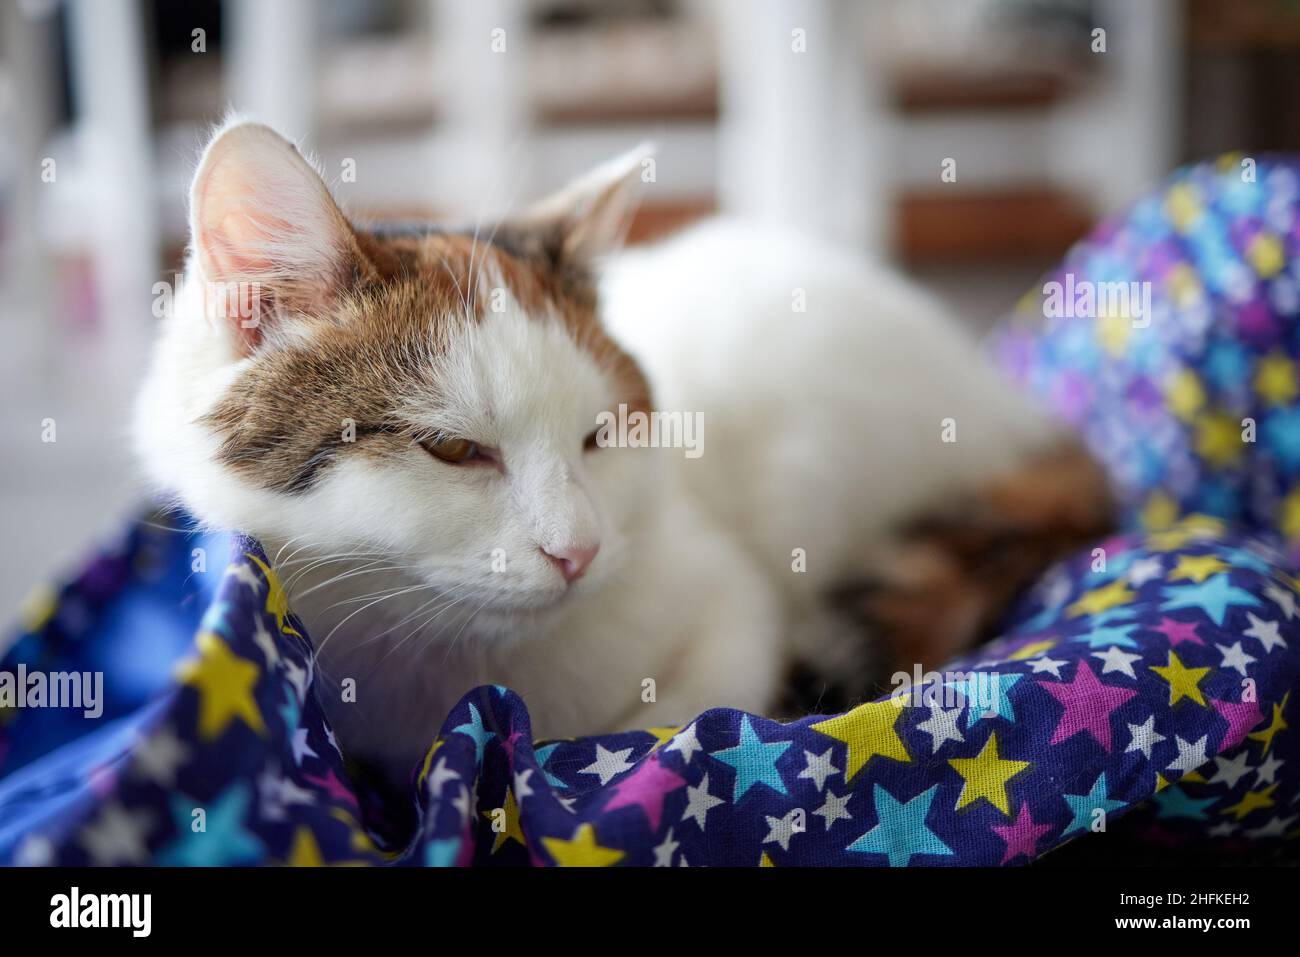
x=833, y=116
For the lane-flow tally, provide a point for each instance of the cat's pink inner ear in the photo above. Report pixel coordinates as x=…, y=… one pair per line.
x=266, y=231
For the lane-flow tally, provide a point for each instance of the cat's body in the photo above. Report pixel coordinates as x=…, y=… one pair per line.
x=408, y=428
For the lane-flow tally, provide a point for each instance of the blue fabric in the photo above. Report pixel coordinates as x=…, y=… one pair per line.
x=1162, y=681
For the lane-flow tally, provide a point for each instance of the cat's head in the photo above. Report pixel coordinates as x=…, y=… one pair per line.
x=425, y=396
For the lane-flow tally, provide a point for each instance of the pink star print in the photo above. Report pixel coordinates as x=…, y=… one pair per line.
x=1022, y=836
x=646, y=787
x=1241, y=718
x=333, y=787
x=1178, y=631
x=1088, y=705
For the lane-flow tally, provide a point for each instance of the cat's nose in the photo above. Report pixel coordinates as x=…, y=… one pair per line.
x=571, y=560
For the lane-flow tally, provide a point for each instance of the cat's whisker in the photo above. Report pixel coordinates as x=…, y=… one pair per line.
x=333, y=631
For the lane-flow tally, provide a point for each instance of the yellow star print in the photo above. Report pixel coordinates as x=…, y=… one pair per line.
x=986, y=776
x=1192, y=528
x=663, y=735
x=1101, y=599
x=305, y=851
x=1218, y=439
x=1197, y=567
x=1159, y=512
x=277, y=603
x=1184, y=394
x=1265, y=254
x=1266, y=735
x=868, y=730
x=1291, y=514
x=1275, y=379
x=1031, y=650
x=428, y=762
x=512, y=831
x=224, y=682
x=582, y=850
x=1252, y=801
x=1183, y=206
x=1184, y=682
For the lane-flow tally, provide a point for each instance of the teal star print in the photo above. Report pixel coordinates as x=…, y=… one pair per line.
x=1084, y=806
x=1107, y=635
x=222, y=842
x=543, y=755
x=1212, y=596
x=901, y=832
x=976, y=690
x=441, y=853
x=754, y=761
x=474, y=729
x=1173, y=801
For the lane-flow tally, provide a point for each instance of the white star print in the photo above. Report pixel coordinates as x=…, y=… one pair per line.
x=243, y=572
x=522, y=787
x=36, y=850
x=1222, y=829
x=1266, y=773
x=781, y=829
x=1190, y=755
x=1115, y=659
x=298, y=678
x=301, y=749
x=664, y=852
x=1145, y=570
x=686, y=742
x=941, y=726
x=438, y=778
x=278, y=792
x=1145, y=737
x=1055, y=591
x=1229, y=772
x=1265, y=631
x=1284, y=599
x=160, y=755
x=699, y=802
x=1046, y=664
x=608, y=764
x=266, y=643
x=117, y=836
x=1235, y=657
x=834, y=809
x=461, y=802
x=818, y=767
x=1274, y=828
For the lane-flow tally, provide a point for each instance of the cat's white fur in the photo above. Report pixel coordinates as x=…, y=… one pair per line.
x=821, y=428
x=826, y=383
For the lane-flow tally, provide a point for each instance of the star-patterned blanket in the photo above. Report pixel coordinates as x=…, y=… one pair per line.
x=1158, y=681
x=1142, y=692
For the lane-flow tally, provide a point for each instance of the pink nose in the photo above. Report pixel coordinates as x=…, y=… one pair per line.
x=571, y=561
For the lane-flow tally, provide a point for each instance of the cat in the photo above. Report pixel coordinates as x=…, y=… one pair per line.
x=407, y=419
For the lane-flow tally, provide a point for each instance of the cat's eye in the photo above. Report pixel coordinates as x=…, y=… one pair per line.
x=591, y=442
x=453, y=450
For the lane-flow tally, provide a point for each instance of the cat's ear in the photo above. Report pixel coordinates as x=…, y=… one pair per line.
x=266, y=233
x=589, y=217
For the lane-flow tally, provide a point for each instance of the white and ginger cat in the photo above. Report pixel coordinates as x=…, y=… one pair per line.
x=406, y=418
